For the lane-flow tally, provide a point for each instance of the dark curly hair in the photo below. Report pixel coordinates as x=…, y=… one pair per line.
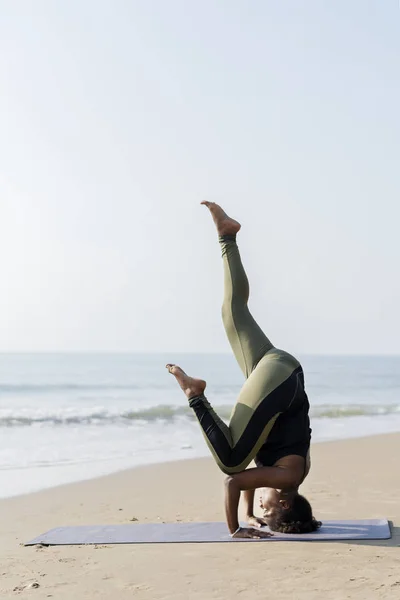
x=298, y=518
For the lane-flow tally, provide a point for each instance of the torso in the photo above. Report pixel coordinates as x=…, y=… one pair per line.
x=290, y=437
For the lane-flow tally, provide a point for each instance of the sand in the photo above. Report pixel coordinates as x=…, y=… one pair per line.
x=349, y=479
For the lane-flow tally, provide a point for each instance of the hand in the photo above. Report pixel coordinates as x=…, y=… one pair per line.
x=252, y=534
x=257, y=522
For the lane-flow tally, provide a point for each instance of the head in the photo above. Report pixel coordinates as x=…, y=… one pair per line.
x=288, y=512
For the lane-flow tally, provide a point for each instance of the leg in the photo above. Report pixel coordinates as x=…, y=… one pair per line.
x=195, y=388
x=269, y=391
x=247, y=340
x=271, y=384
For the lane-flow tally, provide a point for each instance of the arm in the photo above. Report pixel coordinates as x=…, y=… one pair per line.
x=249, y=503
x=232, y=496
x=249, y=510
x=251, y=519
x=249, y=480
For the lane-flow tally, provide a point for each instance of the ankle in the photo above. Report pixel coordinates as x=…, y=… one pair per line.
x=193, y=392
x=226, y=237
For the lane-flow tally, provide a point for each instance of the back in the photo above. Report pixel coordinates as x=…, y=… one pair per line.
x=291, y=433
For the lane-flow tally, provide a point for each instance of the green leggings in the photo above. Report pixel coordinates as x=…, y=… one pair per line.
x=272, y=376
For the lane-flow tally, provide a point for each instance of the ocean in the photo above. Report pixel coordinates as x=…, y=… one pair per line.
x=69, y=417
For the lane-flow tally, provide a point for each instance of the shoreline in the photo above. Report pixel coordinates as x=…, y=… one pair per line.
x=187, y=462
x=206, y=456
x=348, y=479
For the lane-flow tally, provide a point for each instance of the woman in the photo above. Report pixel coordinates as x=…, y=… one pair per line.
x=269, y=422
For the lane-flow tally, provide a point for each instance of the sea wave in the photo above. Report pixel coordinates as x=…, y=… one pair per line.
x=25, y=389
x=6, y=388
x=165, y=413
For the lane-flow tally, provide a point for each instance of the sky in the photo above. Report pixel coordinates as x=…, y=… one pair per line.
x=118, y=117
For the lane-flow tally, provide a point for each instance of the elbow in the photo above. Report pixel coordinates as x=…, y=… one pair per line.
x=230, y=483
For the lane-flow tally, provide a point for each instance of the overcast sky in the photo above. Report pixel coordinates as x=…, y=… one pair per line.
x=118, y=117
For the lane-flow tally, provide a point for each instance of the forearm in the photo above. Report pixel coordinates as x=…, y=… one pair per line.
x=249, y=502
x=232, y=497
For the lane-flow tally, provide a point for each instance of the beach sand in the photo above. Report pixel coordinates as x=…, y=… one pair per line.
x=357, y=478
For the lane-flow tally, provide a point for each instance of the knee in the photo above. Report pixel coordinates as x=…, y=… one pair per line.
x=232, y=470
x=228, y=471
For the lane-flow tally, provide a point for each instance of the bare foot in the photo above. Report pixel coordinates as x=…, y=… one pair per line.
x=225, y=225
x=191, y=387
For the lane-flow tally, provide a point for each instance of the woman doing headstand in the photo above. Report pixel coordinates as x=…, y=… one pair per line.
x=269, y=422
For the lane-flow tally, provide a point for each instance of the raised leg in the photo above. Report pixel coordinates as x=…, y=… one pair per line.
x=268, y=392
x=194, y=388
x=248, y=342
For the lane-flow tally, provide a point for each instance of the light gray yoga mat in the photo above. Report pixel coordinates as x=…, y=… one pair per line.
x=172, y=533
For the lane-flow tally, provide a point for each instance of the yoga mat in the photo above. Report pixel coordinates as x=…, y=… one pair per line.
x=162, y=533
